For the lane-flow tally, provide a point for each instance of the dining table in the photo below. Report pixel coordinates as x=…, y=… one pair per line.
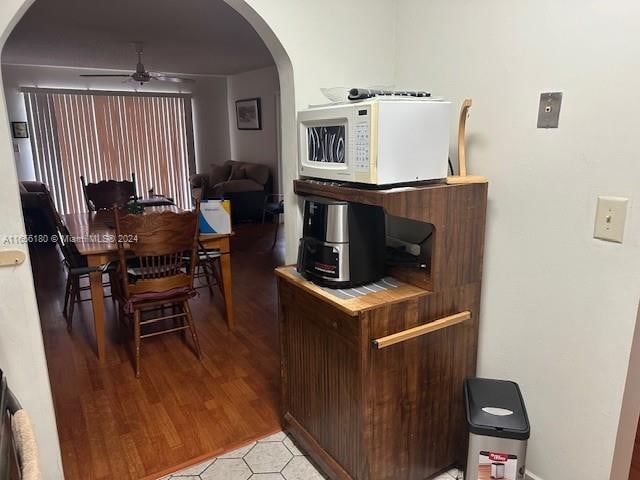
x=94, y=235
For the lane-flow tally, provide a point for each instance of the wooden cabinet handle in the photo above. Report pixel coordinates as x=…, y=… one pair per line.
x=410, y=333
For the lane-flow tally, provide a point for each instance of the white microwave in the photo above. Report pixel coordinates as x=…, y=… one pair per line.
x=381, y=141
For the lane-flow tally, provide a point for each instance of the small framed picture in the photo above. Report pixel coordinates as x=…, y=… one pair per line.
x=248, y=114
x=20, y=129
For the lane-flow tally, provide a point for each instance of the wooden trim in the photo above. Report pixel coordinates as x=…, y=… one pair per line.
x=458, y=180
x=353, y=306
x=431, y=327
x=123, y=93
x=213, y=453
x=462, y=177
x=462, y=126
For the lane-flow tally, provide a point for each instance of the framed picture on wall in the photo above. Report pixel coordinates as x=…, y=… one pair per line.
x=20, y=129
x=248, y=114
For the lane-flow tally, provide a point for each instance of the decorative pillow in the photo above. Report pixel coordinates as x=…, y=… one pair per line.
x=238, y=172
x=257, y=173
x=218, y=173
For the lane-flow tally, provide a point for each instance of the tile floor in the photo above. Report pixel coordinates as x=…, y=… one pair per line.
x=272, y=458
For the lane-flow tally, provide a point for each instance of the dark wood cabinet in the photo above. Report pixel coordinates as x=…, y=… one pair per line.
x=372, y=386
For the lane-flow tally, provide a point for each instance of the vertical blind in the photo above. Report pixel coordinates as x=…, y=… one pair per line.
x=109, y=136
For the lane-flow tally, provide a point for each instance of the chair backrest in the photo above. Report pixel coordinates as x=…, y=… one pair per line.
x=70, y=252
x=157, y=243
x=102, y=195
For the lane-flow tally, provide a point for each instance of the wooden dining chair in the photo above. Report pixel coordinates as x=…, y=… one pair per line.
x=77, y=269
x=208, y=267
x=104, y=194
x=153, y=274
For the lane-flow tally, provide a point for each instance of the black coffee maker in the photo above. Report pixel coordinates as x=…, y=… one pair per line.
x=343, y=243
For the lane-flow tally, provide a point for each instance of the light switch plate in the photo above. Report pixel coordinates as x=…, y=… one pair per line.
x=611, y=214
x=549, y=109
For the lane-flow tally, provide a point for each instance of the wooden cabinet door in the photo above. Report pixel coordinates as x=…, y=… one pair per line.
x=320, y=371
x=414, y=389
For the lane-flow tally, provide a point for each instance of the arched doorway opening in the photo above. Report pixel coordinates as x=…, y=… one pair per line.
x=40, y=395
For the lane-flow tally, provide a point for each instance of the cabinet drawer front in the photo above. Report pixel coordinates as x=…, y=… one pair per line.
x=312, y=309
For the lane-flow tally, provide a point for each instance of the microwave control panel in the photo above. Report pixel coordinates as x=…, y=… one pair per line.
x=362, y=140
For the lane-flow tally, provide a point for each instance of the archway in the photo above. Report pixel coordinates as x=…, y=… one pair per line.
x=25, y=348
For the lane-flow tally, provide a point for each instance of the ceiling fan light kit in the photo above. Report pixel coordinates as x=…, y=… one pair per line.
x=141, y=75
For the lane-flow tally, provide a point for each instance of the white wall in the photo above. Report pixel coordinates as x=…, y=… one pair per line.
x=559, y=307
x=257, y=146
x=17, y=113
x=21, y=349
x=211, y=131
x=210, y=121
x=319, y=44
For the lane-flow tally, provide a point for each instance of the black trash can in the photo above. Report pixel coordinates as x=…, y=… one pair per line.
x=498, y=430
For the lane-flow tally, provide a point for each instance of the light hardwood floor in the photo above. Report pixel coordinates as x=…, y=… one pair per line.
x=113, y=426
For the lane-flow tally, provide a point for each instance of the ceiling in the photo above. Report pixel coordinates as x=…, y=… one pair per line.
x=180, y=36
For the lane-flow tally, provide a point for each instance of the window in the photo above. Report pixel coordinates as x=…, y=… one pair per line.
x=110, y=135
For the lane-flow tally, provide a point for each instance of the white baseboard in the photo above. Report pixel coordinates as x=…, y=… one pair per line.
x=531, y=476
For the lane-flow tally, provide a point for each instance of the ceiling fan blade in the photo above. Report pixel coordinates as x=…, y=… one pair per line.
x=101, y=75
x=169, y=78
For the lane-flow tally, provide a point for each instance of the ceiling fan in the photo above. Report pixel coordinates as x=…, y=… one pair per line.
x=141, y=75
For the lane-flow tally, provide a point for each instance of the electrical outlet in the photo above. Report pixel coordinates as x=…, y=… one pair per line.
x=549, y=110
x=611, y=213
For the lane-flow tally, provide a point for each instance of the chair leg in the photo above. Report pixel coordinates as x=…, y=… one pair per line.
x=67, y=295
x=216, y=273
x=136, y=339
x=112, y=286
x=178, y=308
x=192, y=328
x=74, y=296
x=76, y=287
x=275, y=235
x=205, y=269
x=120, y=314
